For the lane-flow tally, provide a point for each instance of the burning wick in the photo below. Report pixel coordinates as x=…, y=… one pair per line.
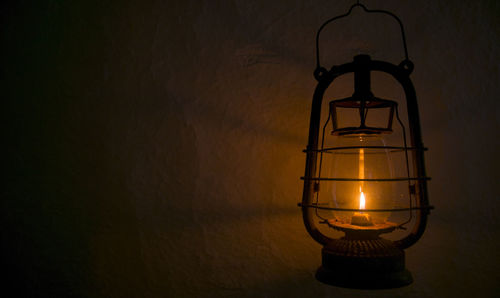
x=360, y=218
x=361, y=200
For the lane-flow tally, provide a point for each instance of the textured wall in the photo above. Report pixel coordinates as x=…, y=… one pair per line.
x=153, y=149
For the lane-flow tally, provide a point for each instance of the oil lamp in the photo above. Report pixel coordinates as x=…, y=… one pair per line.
x=365, y=177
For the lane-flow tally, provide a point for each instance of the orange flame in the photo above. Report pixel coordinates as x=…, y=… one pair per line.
x=362, y=201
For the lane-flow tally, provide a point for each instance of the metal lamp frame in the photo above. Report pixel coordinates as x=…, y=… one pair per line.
x=361, y=67
x=401, y=74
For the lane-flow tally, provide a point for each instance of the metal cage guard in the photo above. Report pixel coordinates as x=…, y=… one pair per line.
x=325, y=79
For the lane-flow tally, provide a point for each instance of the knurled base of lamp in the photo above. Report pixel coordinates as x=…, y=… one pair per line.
x=363, y=264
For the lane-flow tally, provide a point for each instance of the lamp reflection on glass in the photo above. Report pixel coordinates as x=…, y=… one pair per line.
x=361, y=218
x=363, y=175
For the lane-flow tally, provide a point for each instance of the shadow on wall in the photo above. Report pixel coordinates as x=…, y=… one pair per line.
x=304, y=284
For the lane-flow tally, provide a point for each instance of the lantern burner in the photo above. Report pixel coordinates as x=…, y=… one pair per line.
x=353, y=231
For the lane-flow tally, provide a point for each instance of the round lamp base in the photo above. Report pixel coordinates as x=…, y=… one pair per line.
x=363, y=264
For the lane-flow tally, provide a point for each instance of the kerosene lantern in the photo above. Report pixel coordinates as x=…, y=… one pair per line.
x=365, y=177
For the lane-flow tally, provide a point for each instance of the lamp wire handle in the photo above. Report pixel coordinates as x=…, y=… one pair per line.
x=320, y=70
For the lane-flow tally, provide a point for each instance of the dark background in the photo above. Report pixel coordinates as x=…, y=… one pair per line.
x=153, y=148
